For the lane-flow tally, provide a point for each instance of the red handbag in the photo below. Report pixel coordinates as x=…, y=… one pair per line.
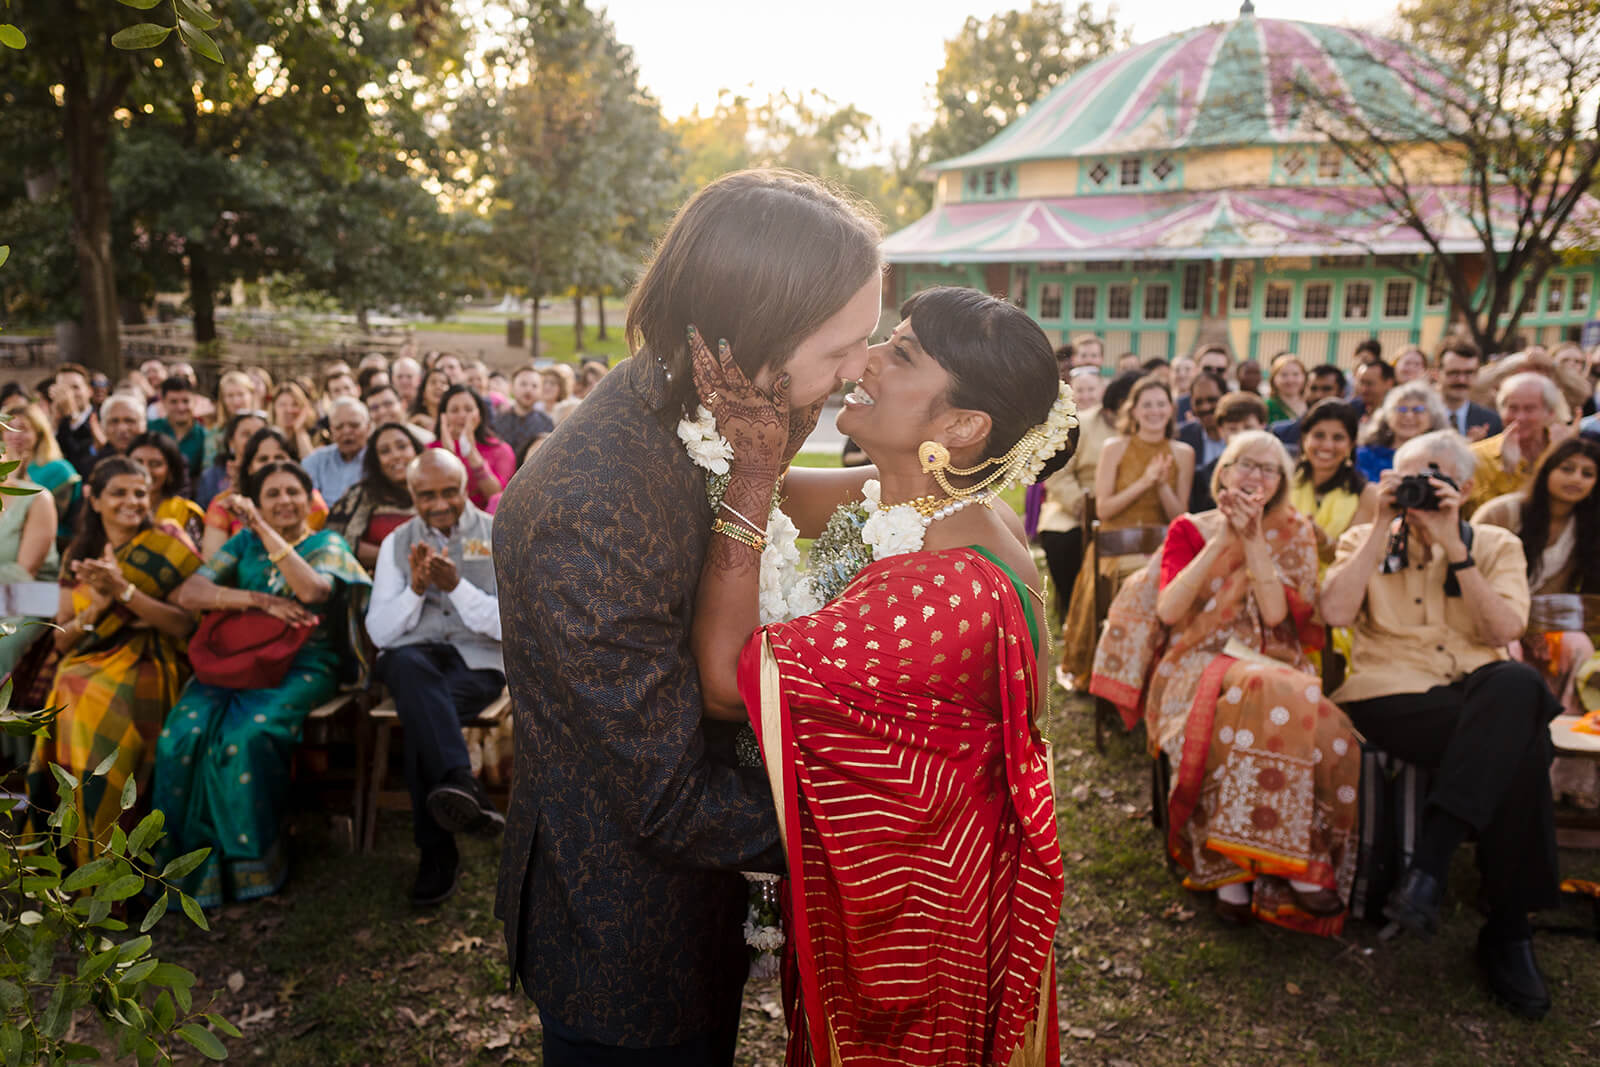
x=245, y=649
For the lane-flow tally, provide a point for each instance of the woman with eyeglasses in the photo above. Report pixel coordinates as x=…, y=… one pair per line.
x=1262, y=806
x=1409, y=410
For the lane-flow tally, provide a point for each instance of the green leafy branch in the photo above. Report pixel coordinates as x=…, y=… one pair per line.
x=191, y=20
x=45, y=908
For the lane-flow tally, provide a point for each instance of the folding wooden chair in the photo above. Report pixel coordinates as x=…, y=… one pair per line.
x=383, y=719
x=1111, y=544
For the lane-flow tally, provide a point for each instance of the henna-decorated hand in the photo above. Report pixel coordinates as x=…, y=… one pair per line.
x=801, y=422
x=756, y=425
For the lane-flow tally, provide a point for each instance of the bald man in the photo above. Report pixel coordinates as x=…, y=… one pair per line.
x=435, y=618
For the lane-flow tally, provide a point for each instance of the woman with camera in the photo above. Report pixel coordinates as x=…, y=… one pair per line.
x=1262, y=807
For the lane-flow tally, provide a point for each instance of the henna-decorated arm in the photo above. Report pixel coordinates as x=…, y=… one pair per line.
x=727, y=600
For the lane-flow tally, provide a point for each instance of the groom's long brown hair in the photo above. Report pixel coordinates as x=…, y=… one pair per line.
x=760, y=258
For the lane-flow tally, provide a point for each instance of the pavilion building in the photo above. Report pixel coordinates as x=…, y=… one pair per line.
x=1178, y=192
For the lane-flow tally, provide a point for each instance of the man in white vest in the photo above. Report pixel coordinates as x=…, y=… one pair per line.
x=435, y=617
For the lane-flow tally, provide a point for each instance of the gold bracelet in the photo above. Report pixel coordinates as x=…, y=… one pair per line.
x=739, y=534
x=276, y=556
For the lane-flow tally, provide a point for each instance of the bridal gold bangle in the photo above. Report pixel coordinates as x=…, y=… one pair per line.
x=739, y=534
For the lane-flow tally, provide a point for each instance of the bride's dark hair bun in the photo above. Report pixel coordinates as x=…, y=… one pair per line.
x=999, y=360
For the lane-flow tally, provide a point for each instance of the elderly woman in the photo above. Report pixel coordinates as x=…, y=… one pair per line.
x=1263, y=802
x=1142, y=479
x=31, y=439
x=169, y=484
x=381, y=501
x=121, y=640
x=1408, y=411
x=266, y=445
x=222, y=762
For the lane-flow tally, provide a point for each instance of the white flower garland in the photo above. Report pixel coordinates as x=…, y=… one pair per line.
x=784, y=593
x=787, y=593
x=890, y=531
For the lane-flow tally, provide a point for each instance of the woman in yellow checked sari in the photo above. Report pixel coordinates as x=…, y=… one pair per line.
x=122, y=645
x=1208, y=645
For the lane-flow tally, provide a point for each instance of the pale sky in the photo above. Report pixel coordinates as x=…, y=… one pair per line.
x=880, y=55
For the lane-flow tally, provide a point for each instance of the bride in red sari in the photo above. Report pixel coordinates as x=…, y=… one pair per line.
x=900, y=721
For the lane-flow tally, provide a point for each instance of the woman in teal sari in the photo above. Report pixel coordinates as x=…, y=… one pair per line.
x=222, y=762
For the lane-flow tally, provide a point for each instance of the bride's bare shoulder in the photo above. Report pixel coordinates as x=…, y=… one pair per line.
x=998, y=531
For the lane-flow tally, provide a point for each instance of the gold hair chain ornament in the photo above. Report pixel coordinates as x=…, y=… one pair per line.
x=1020, y=465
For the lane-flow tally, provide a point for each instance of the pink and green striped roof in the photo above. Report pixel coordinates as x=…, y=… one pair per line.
x=1234, y=83
x=1240, y=223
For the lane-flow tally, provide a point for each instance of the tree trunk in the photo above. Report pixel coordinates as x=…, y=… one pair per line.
x=600, y=315
x=577, y=319
x=362, y=322
x=86, y=135
x=533, y=324
x=202, y=294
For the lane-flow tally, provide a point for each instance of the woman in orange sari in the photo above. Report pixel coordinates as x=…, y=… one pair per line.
x=899, y=721
x=1265, y=768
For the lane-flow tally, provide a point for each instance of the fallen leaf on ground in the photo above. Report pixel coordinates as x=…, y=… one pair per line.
x=1081, y=1033
x=235, y=981
x=1291, y=989
x=411, y=1017
x=254, y=1018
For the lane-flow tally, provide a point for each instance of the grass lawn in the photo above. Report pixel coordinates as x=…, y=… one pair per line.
x=555, y=341
x=340, y=969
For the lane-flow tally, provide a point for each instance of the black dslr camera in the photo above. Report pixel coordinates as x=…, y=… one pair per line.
x=1417, y=493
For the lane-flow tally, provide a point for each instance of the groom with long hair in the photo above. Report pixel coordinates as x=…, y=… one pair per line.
x=630, y=817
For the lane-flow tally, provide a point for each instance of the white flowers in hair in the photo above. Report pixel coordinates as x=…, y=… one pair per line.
x=1052, y=433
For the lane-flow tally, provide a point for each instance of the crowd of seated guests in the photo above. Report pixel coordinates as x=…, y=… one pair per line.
x=272, y=501
x=1459, y=622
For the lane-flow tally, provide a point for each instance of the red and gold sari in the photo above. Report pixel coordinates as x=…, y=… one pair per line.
x=913, y=793
x=1266, y=768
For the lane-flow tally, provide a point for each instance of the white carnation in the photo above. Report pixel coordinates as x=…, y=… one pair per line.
x=892, y=531
x=706, y=447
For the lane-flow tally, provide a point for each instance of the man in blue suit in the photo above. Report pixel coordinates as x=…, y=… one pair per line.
x=1459, y=361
